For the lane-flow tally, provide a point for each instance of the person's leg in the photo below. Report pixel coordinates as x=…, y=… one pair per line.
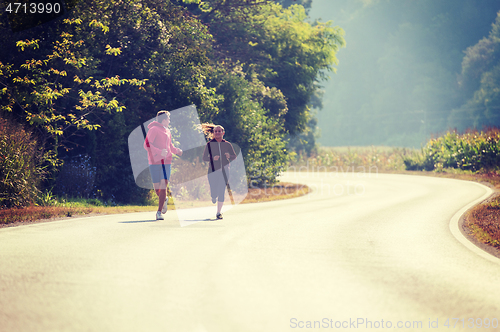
x=161, y=199
x=166, y=169
x=161, y=191
x=212, y=183
x=219, y=206
x=159, y=187
x=221, y=190
x=158, y=191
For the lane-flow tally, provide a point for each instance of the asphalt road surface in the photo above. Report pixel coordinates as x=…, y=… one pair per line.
x=362, y=252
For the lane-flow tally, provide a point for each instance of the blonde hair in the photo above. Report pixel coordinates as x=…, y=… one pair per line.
x=208, y=129
x=161, y=115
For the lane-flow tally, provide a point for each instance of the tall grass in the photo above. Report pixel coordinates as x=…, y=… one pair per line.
x=472, y=151
x=20, y=165
x=341, y=159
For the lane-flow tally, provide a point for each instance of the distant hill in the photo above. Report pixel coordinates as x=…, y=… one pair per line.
x=398, y=80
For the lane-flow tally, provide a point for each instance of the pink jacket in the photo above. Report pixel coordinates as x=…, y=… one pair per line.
x=157, y=139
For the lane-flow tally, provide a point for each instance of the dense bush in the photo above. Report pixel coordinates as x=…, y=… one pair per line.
x=470, y=151
x=76, y=178
x=247, y=123
x=20, y=165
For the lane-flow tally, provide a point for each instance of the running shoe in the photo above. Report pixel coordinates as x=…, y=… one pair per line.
x=159, y=216
x=219, y=215
x=165, y=207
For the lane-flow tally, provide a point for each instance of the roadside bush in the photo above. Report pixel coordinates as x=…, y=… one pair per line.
x=20, y=165
x=469, y=151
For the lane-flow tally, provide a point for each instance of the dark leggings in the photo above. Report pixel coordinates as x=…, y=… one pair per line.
x=217, y=185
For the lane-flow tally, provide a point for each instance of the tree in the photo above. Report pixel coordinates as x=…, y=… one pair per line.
x=247, y=124
x=480, y=79
x=87, y=82
x=53, y=93
x=397, y=82
x=162, y=44
x=282, y=49
x=76, y=88
x=287, y=3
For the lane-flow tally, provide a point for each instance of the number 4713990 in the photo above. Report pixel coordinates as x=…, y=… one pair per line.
x=33, y=8
x=471, y=322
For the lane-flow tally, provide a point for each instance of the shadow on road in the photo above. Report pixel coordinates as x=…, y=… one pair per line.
x=136, y=221
x=189, y=222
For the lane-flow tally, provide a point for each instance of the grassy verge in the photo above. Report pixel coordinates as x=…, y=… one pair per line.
x=276, y=192
x=483, y=221
x=14, y=217
x=30, y=214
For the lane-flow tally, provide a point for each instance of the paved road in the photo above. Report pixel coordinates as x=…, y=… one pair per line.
x=365, y=252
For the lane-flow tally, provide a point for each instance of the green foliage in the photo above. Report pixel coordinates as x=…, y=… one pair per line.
x=287, y=3
x=261, y=137
x=282, y=57
x=76, y=178
x=158, y=42
x=480, y=81
x=480, y=57
x=74, y=92
x=21, y=169
x=84, y=83
x=398, y=80
x=306, y=141
x=470, y=151
x=40, y=89
x=282, y=49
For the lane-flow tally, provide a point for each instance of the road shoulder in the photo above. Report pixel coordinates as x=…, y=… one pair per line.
x=468, y=234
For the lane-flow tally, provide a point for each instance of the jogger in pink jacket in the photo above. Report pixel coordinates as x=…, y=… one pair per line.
x=158, y=144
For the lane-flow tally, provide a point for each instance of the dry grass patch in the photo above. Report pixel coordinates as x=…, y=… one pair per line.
x=33, y=213
x=483, y=222
x=13, y=217
x=276, y=192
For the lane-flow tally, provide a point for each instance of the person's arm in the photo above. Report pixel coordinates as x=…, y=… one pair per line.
x=206, y=155
x=173, y=149
x=230, y=150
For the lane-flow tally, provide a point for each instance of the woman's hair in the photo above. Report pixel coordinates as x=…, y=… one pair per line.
x=162, y=115
x=208, y=129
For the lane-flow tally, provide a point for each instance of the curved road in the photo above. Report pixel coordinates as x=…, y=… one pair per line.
x=363, y=251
